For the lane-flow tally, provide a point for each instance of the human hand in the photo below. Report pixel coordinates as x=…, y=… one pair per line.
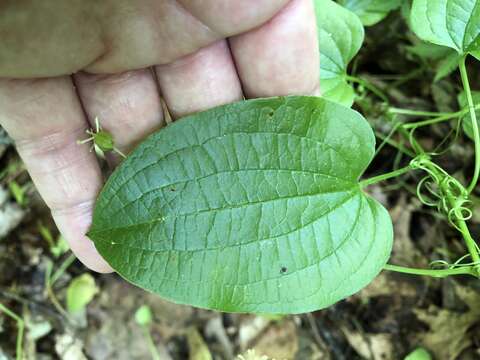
x=123, y=54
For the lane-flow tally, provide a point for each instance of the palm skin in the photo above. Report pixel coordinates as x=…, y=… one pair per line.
x=63, y=64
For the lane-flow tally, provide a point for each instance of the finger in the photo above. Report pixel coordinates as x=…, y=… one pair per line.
x=200, y=81
x=45, y=119
x=127, y=105
x=229, y=17
x=282, y=56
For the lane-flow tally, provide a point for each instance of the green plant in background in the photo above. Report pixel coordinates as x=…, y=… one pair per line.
x=21, y=329
x=51, y=277
x=58, y=246
x=451, y=23
x=144, y=318
x=371, y=12
x=9, y=176
x=419, y=354
x=340, y=34
x=257, y=206
x=18, y=192
x=198, y=349
x=453, y=32
x=80, y=293
x=446, y=23
x=251, y=355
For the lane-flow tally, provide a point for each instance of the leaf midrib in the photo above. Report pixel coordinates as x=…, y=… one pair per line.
x=201, y=145
x=322, y=258
x=161, y=219
x=187, y=181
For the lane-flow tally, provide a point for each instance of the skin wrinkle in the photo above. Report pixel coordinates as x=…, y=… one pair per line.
x=242, y=10
x=188, y=59
x=69, y=192
x=118, y=78
x=21, y=102
x=59, y=163
x=49, y=142
x=189, y=13
x=151, y=24
x=84, y=207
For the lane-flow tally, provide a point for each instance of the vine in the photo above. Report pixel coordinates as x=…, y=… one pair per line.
x=437, y=188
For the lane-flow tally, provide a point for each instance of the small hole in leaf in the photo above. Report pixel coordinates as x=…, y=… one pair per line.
x=172, y=189
x=283, y=269
x=271, y=113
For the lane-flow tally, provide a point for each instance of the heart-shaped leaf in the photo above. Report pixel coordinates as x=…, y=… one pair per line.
x=248, y=207
x=452, y=23
x=340, y=35
x=371, y=11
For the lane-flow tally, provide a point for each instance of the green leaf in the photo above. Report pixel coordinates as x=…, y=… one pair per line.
x=371, y=12
x=452, y=23
x=419, y=354
x=197, y=348
x=143, y=315
x=80, y=292
x=447, y=66
x=428, y=51
x=60, y=248
x=18, y=192
x=340, y=35
x=466, y=121
x=248, y=207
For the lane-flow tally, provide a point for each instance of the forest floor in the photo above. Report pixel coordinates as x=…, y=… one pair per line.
x=393, y=316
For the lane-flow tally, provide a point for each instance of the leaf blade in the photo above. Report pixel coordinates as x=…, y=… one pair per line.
x=451, y=23
x=340, y=34
x=371, y=11
x=239, y=240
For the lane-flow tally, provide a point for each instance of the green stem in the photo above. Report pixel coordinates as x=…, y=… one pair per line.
x=62, y=268
x=368, y=86
x=467, y=237
x=407, y=77
x=473, y=118
x=471, y=246
x=51, y=294
x=151, y=344
x=21, y=328
x=383, y=177
x=464, y=270
x=387, y=139
x=435, y=120
x=409, y=112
